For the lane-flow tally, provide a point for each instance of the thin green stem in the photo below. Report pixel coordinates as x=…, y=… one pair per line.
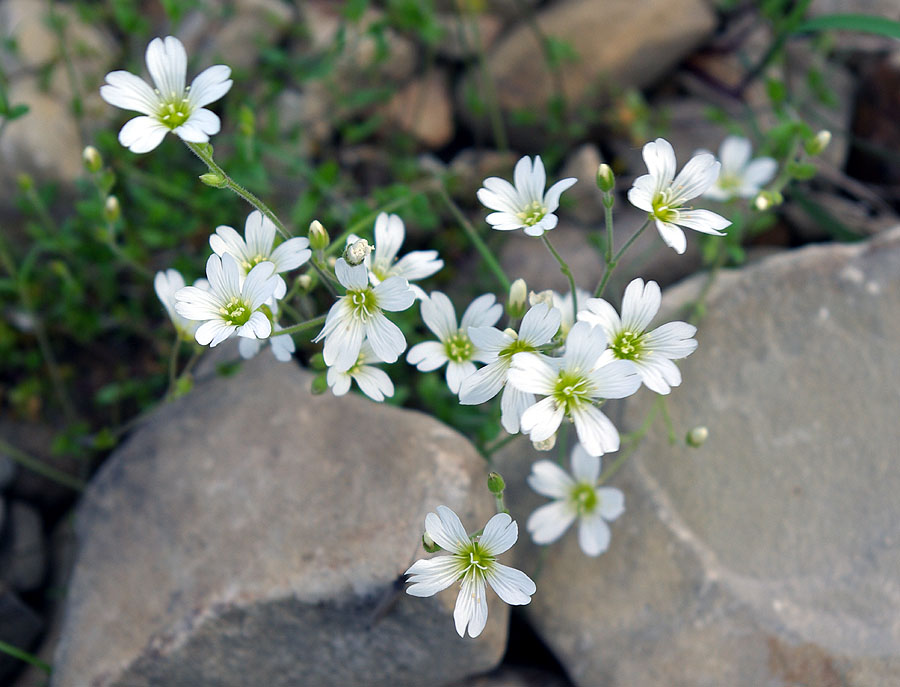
x=203, y=151
x=608, y=201
x=122, y=255
x=302, y=326
x=39, y=467
x=31, y=659
x=611, y=265
x=564, y=268
x=486, y=254
x=497, y=445
x=328, y=280
x=635, y=440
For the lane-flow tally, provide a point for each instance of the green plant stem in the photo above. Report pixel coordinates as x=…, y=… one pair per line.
x=330, y=282
x=202, y=151
x=564, y=268
x=635, y=440
x=301, y=326
x=611, y=264
x=40, y=468
x=608, y=201
x=486, y=254
x=31, y=659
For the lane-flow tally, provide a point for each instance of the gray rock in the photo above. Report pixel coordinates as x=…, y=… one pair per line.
x=7, y=471
x=424, y=109
x=768, y=556
x=19, y=626
x=23, y=558
x=650, y=37
x=584, y=199
x=253, y=533
x=461, y=34
x=516, y=676
x=250, y=26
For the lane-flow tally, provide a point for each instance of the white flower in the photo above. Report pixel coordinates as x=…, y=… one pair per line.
x=372, y=381
x=454, y=346
x=358, y=316
x=538, y=327
x=577, y=498
x=229, y=307
x=257, y=246
x=525, y=205
x=170, y=106
x=282, y=346
x=166, y=284
x=572, y=385
x=472, y=562
x=382, y=262
x=652, y=352
x=663, y=195
x=740, y=177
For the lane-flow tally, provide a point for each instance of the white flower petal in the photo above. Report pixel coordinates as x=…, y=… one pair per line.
x=616, y=379
x=512, y=404
x=124, y=89
x=598, y=313
x=484, y=311
x=500, y=533
x=511, y=585
x=489, y=339
x=355, y=278
x=641, y=193
x=640, y=304
x=699, y=174
x=593, y=535
x=672, y=236
x=427, y=356
x=551, y=199
x=389, y=235
x=428, y=577
x=374, y=383
x=548, y=479
x=672, y=340
x=291, y=254
x=439, y=315
x=386, y=338
x=734, y=154
x=342, y=344
x=585, y=467
x=471, y=607
x=393, y=294
x=204, y=120
x=446, y=530
x=595, y=431
x=539, y=325
x=757, y=174
x=417, y=264
x=142, y=134
x=484, y=384
x=532, y=373
x=704, y=221
x=549, y=522
x=542, y=419
x=210, y=85
x=457, y=373
x=167, y=64
x=612, y=502
x=659, y=157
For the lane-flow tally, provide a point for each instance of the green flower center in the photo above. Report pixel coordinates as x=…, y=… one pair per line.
x=363, y=302
x=175, y=111
x=459, y=348
x=585, y=498
x=532, y=213
x=249, y=264
x=381, y=269
x=663, y=208
x=474, y=560
x=517, y=346
x=627, y=345
x=571, y=390
x=236, y=312
x=729, y=182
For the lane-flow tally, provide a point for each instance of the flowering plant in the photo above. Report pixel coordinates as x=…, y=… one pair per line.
x=555, y=360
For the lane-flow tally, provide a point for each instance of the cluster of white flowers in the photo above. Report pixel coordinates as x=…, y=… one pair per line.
x=558, y=361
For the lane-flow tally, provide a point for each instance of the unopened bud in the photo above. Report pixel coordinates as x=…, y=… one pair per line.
x=213, y=179
x=545, y=297
x=92, y=160
x=545, y=445
x=518, y=296
x=319, y=384
x=26, y=182
x=767, y=199
x=428, y=544
x=495, y=482
x=818, y=143
x=697, y=437
x=357, y=252
x=318, y=236
x=111, y=209
x=304, y=282
x=606, y=180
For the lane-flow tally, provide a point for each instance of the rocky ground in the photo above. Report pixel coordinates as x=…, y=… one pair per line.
x=230, y=541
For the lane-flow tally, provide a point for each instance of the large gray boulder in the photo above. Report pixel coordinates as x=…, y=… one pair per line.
x=252, y=533
x=769, y=555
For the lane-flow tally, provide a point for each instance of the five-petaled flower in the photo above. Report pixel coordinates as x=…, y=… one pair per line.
x=652, y=352
x=170, y=106
x=454, y=347
x=663, y=195
x=232, y=304
x=525, y=205
x=538, y=328
x=577, y=497
x=257, y=246
x=372, y=381
x=740, y=177
x=359, y=315
x=573, y=385
x=472, y=562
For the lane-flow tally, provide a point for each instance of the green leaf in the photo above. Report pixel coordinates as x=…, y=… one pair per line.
x=864, y=23
x=17, y=111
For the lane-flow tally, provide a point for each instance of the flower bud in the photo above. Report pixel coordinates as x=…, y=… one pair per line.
x=92, y=160
x=606, y=180
x=428, y=544
x=305, y=282
x=319, y=384
x=213, y=179
x=545, y=297
x=518, y=294
x=767, y=199
x=495, y=482
x=818, y=143
x=111, y=209
x=318, y=236
x=697, y=436
x=357, y=252
x=545, y=445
